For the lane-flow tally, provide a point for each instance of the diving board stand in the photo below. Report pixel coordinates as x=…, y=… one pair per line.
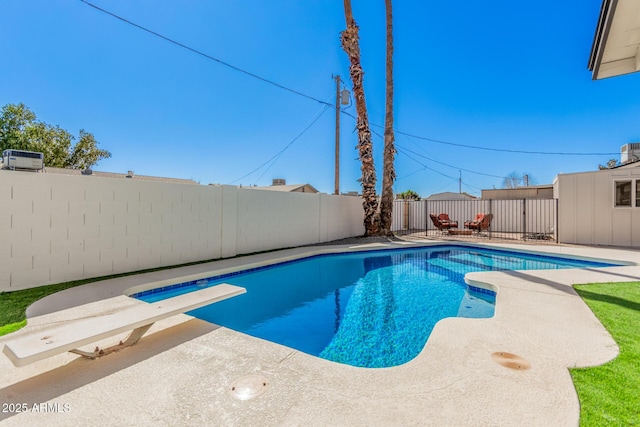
x=139, y=318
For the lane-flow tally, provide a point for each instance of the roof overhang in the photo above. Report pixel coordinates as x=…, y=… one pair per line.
x=616, y=44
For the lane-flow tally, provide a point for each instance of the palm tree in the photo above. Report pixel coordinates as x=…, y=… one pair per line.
x=409, y=195
x=388, y=170
x=351, y=46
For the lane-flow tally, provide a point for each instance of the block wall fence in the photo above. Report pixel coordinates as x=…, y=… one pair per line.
x=57, y=228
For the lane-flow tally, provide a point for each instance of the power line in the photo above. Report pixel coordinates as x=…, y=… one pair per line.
x=279, y=153
x=402, y=151
x=448, y=165
x=453, y=179
x=477, y=147
x=504, y=150
x=406, y=150
x=409, y=174
x=464, y=183
x=233, y=67
x=226, y=64
x=470, y=189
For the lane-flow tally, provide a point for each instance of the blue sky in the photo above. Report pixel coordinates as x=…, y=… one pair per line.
x=501, y=75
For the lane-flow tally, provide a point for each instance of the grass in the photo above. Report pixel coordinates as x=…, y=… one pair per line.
x=609, y=393
x=7, y=329
x=13, y=305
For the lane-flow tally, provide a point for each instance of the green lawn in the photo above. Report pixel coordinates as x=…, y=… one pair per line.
x=610, y=394
x=14, y=304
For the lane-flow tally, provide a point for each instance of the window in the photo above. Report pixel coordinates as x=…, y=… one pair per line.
x=623, y=193
x=637, y=192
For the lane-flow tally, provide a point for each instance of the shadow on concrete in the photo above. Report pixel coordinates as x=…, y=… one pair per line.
x=613, y=273
x=80, y=372
x=546, y=282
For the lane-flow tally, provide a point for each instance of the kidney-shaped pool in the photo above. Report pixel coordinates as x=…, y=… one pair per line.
x=370, y=309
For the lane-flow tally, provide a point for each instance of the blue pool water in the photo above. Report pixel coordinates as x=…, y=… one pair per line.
x=369, y=309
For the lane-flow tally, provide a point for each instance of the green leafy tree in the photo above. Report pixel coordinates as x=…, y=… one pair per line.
x=20, y=130
x=612, y=163
x=14, y=121
x=86, y=153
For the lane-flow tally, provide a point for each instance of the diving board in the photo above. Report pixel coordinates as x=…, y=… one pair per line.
x=138, y=319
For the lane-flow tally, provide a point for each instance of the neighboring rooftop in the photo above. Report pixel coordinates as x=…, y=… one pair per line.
x=448, y=195
x=128, y=175
x=281, y=185
x=293, y=188
x=616, y=44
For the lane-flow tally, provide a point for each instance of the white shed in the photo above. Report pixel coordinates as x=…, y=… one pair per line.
x=600, y=207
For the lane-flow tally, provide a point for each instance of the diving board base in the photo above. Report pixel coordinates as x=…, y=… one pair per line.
x=133, y=338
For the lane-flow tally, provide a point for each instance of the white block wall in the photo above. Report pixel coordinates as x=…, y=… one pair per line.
x=56, y=228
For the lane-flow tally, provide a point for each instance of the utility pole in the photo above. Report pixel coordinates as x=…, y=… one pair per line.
x=460, y=182
x=337, y=170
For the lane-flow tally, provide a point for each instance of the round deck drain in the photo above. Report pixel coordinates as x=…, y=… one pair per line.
x=249, y=387
x=511, y=361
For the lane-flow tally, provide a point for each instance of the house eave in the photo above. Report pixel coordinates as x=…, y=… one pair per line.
x=616, y=44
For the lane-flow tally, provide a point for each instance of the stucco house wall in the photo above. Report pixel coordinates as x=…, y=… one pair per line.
x=55, y=228
x=586, y=211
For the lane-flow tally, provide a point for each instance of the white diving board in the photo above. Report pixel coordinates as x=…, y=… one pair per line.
x=139, y=318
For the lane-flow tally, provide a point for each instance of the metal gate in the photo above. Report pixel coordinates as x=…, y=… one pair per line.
x=516, y=219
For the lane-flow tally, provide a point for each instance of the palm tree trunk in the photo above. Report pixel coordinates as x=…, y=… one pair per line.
x=388, y=171
x=350, y=44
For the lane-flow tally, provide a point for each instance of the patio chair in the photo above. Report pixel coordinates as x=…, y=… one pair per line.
x=480, y=223
x=443, y=217
x=442, y=222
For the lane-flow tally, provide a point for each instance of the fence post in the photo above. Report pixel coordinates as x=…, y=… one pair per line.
x=491, y=212
x=426, y=215
x=555, y=228
x=524, y=219
x=405, y=218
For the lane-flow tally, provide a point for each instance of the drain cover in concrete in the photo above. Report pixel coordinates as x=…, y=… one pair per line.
x=249, y=387
x=510, y=360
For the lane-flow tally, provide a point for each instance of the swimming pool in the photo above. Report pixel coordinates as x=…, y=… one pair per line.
x=369, y=309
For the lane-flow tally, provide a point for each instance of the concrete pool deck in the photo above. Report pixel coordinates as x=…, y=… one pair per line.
x=183, y=371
